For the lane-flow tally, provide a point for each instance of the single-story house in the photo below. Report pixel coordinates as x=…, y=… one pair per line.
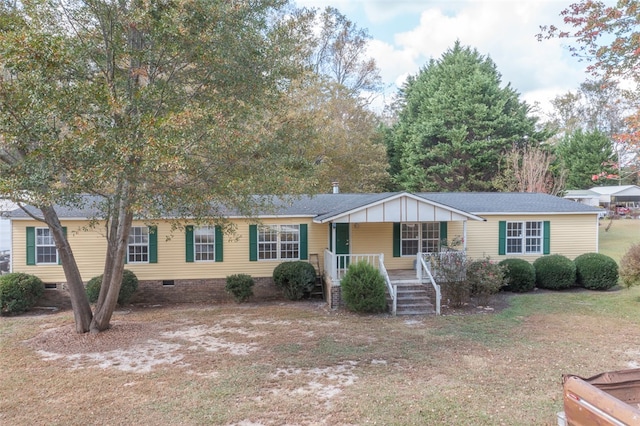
x=397, y=232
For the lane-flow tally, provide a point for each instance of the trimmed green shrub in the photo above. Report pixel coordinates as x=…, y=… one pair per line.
x=128, y=287
x=630, y=267
x=555, y=272
x=596, y=271
x=520, y=275
x=240, y=286
x=19, y=292
x=364, y=288
x=296, y=279
x=485, y=279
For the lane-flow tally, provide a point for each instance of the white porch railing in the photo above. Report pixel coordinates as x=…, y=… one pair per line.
x=393, y=289
x=423, y=272
x=336, y=265
x=446, y=265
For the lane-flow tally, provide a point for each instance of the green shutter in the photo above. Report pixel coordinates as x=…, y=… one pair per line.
x=31, y=245
x=253, y=243
x=502, y=237
x=396, y=239
x=153, y=244
x=546, y=237
x=188, y=243
x=64, y=231
x=304, y=244
x=443, y=232
x=219, y=243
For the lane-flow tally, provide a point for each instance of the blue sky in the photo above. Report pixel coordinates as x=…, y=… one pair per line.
x=407, y=33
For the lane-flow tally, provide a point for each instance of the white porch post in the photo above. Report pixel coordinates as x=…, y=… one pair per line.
x=464, y=235
x=334, y=264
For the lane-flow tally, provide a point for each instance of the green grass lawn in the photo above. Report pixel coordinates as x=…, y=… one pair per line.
x=617, y=240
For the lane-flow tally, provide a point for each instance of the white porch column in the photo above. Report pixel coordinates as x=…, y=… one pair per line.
x=464, y=235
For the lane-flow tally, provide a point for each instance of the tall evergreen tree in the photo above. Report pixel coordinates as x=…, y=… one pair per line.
x=585, y=154
x=454, y=122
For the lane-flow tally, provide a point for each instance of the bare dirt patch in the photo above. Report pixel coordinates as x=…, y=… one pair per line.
x=301, y=364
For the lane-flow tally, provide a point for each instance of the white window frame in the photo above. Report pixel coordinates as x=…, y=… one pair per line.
x=139, y=243
x=45, y=242
x=526, y=236
x=279, y=242
x=417, y=233
x=204, y=243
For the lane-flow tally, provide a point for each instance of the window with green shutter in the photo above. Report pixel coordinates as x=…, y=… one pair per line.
x=41, y=246
x=142, y=245
x=410, y=239
x=203, y=244
x=524, y=237
x=278, y=242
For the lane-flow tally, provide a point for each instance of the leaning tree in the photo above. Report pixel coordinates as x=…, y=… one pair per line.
x=149, y=106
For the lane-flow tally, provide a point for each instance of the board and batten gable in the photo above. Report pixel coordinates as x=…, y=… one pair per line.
x=89, y=248
x=570, y=235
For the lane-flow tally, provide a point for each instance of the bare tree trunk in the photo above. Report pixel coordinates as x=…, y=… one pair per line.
x=79, y=301
x=117, y=243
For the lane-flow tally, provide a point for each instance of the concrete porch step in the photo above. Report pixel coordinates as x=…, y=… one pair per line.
x=413, y=299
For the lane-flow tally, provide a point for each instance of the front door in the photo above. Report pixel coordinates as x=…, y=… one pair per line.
x=342, y=243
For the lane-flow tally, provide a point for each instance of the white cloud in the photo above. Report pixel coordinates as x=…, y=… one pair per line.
x=394, y=64
x=504, y=30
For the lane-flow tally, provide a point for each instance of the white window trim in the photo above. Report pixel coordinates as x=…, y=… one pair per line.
x=212, y=234
x=45, y=245
x=279, y=242
x=130, y=244
x=419, y=239
x=523, y=237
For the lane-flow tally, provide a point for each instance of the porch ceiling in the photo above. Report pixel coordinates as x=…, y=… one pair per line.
x=403, y=207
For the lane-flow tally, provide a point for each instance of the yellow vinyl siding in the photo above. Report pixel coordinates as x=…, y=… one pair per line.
x=89, y=248
x=571, y=235
x=455, y=233
x=375, y=238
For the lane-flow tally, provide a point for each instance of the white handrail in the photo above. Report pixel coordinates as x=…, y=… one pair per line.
x=393, y=289
x=421, y=265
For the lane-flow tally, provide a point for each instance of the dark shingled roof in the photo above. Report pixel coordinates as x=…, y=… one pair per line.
x=329, y=205
x=507, y=202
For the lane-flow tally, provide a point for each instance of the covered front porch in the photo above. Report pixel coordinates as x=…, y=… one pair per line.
x=410, y=291
x=404, y=236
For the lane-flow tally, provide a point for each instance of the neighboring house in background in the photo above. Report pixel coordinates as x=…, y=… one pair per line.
x=390, y=230
x=584, y=196
x=622, y=195
x=621, y=199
